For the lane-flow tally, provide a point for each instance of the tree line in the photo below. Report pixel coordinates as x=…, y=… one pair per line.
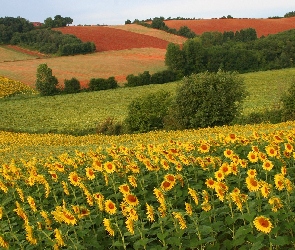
x=238, y=51
x=21, y=32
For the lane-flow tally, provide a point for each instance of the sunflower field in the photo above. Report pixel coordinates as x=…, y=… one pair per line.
x=10, y=87
x=225, y=190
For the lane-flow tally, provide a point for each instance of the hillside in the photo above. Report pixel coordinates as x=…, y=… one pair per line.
x=262, y=26
x=107, y=38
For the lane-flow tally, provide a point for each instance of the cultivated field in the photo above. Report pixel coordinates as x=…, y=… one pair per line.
x=84, y=67
x=262, y=26
x=10, y=55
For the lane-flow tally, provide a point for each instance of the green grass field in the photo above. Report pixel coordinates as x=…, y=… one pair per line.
x=10, y=55
x=83, y=111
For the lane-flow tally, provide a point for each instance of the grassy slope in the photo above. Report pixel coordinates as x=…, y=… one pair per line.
x=83, y=111
x=10, y=55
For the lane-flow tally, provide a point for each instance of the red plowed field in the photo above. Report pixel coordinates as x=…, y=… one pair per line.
x=262, y=26
x=106, y=38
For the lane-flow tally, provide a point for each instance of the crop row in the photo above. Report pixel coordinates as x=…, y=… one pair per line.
x=10, y=87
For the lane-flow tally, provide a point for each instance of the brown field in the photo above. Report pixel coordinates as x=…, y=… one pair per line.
x=8, y=54
x=151, y=32
x=84, y=67
x=262, y=26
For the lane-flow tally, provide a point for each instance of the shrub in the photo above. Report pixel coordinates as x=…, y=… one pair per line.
x=109, y=127
x=72, y=86
x=46, y=83
x=96, y=84
x=288, y=100
x=209, y=99
x=147, y=113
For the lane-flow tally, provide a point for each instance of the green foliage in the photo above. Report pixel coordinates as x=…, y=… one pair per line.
x=174, y=58
x=10, y=25
x=290, y=14
x=46, y=83
x=52, y=42
x=288, y=100
x=186, y=32
x=147, y=113
x=58, y=21
x=97, y=84
x=209, y=99
x=158, y=23
x=72, y=86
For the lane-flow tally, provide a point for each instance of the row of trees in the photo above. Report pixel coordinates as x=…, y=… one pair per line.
x=52, y=42
x=19, y=31
x=47, y=83
x=158, y=23
x=146, y=78
x=242, y=52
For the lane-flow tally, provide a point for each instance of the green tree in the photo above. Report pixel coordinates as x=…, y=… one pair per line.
x=174, y=58
x=147, y=113
x=158, y=23
x=46, y=83
x=209, y=99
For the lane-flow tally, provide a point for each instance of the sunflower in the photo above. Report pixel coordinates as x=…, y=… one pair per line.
x=170, y=177
x=68, y=217
x=74, y=178
x=194, y=195
x=110, y=207
x=130, y=225
x=284, y=170
x=288, y=147
x=279, y=181
x=225, y=168
x=3, y=243
x=30, y=235
x=124, y=189
x=252, y=156
x=219, y=175
x=150, y=212
x=53, y=175
x=271, y=151
x=32, y=203
x=228, y=153
x=252, y=184
x=204, y=148
x=210, y=183
x=234, y=168
x=166, y=185
x=131, y=200
x=262, y=156
x=252, y=172
x=206, y=206
x=65, y=187
x=132, y=181
x=243, y=163
x=263, y=224
x=159, y=195
x=188, y=208
x=109, y=167
x=90, y=173
x=276, y=203
x=164, y=164
x=108, y=228
x=265, y=189
x=267, y=165
x=58, y=238
x=180, y=219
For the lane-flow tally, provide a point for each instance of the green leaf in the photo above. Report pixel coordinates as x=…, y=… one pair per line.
x=280, y=241
x=205, y=230
x=257, y=245
x=139, y=243
x=162, y=236
x=174, y=241
x=242, y=232
x=238, y=241
x=117, y=244
x=249, y=217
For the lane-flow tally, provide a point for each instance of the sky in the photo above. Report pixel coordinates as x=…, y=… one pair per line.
x=116, y=12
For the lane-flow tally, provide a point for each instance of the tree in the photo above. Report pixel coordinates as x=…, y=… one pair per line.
x=209, y=99
x=174, y=58
x=158, y=23
x=46, y=83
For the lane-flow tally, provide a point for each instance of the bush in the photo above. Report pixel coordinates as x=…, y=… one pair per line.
x=147, y=113
x=97, y=84
x=209, y=99
x=72, y=86
x=110, y=127
x=46, y=83
x=288, y=100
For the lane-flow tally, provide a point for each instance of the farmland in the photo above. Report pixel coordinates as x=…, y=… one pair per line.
x=229, y=187
x=263, y=27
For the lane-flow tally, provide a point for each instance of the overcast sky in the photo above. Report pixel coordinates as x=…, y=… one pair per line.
x=118, y=11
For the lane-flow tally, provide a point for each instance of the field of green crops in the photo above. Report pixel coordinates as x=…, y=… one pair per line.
x=69, y=113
